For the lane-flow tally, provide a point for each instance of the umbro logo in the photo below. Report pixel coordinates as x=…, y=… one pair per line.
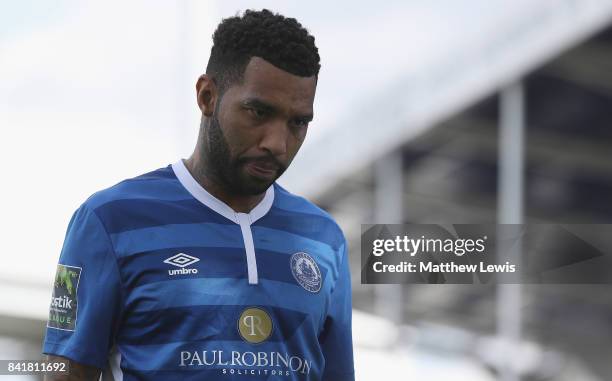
x=181, y=260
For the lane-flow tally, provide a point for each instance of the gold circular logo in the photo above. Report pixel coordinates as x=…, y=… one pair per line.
x=255, y=325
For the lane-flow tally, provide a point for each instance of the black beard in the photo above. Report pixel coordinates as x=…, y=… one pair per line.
x=224, y=170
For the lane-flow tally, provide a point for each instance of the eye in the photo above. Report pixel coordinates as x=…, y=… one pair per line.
x=258, y=113
x=301, y=123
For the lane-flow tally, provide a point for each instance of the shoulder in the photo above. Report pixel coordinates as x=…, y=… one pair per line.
x=157, y=184
x=291, y=203
x=125, y=201
x=129, y=204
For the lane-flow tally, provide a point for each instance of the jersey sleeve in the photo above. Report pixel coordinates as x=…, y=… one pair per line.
x=86, y=301
x=336, y=339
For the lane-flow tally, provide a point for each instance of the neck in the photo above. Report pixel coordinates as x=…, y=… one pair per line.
x=239, y=203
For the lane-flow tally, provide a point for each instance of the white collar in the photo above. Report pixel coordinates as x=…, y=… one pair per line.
x=202, y=195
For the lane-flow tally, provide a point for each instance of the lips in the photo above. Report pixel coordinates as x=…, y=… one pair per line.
x=264, y=169
x=265, y=165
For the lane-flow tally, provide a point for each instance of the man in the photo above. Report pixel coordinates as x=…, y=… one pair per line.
x=207, y=269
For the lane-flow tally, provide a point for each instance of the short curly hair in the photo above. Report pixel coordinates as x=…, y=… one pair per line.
x=280, y=40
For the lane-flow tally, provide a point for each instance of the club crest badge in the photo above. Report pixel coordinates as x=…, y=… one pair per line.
x=306, y=272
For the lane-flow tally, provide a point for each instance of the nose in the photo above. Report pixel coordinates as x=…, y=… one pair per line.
x=274, y=138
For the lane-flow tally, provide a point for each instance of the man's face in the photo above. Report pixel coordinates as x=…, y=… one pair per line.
x=257, y=128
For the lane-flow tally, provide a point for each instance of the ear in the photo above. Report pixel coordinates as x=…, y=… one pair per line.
x=207, y=95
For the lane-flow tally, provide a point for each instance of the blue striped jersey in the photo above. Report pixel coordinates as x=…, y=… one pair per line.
x=159, y=280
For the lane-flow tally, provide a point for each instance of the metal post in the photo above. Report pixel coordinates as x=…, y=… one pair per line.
x=510, y=211
x=388, y=206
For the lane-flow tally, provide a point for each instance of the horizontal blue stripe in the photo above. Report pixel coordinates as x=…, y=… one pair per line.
x=131, y=214
x=313, y=226
x=294, y=203
x=226, y=291
x=176, y=236
x=216, y=235
x=214, y=262
x=156, y=189
x=204, y=323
